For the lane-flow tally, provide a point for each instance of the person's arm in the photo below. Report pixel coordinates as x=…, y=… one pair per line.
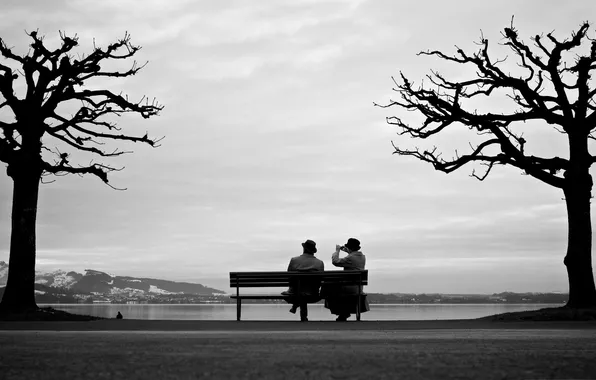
x=335, y=260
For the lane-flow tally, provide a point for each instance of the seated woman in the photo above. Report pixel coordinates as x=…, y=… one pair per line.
x=343, y=300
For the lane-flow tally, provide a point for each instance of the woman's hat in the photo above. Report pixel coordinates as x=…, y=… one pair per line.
x=353, y=244
x=310, y=246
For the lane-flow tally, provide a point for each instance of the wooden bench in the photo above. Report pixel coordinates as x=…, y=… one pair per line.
x=282, y=279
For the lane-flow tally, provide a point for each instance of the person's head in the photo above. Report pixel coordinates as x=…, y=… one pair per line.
x=309, y=247
x=352, y=245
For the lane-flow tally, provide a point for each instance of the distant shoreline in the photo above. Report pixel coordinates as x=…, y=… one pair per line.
x=320, y=302
x=51, y=296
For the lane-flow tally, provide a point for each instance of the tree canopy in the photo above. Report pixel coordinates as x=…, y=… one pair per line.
x=54, y=78
x=550, y=91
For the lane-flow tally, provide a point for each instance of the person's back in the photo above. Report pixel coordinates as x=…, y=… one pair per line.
x=304, y=290
x=306, y=262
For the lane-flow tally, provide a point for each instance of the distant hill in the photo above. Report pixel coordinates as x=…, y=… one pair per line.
x=96, y=282
x=46, y=294
x=99, y=287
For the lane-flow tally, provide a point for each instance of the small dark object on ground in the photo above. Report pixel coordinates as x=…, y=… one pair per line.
x=46, y=314
x=119, y=315
x=549, y=314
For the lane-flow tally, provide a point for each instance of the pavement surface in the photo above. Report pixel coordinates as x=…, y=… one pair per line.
x=198, y=325
x=131, y=349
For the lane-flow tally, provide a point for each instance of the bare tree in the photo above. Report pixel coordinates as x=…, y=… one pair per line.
x=56, y=114
x=549, y=90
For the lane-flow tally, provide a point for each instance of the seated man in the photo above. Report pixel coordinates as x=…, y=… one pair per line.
x=307, y=291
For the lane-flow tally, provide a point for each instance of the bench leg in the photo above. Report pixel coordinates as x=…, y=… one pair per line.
x=238, y=308
x=358, y=308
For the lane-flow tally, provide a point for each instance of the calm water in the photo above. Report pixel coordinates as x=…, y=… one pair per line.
x=280, y=311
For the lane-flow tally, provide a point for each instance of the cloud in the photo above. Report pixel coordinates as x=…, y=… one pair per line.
x=271, y=138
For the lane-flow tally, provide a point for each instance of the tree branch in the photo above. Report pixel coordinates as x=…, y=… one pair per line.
x=444, y=105
x=50, y=76
x=98, y=170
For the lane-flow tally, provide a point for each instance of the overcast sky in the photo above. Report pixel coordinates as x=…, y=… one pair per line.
x=271, y=138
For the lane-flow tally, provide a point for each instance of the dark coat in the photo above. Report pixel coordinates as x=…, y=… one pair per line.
x=306, y=263
x=343, y=300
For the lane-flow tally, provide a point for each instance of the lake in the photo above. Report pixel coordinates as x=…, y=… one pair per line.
x=279, y=312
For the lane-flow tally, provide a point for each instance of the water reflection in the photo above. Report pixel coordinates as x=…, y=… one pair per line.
x=280, y=311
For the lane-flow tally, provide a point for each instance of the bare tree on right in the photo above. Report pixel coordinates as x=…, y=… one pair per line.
x=555, y=88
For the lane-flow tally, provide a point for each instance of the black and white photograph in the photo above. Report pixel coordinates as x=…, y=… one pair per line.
x=297, y=189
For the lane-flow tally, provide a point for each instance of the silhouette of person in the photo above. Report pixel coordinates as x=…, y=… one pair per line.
x=299, y=295
x=342, y=300
x=119, y=315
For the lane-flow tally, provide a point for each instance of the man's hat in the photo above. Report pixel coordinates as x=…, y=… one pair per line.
x=310, y=246
x=353, y=244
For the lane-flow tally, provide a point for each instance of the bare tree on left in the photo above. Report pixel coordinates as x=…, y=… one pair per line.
x=47, y=112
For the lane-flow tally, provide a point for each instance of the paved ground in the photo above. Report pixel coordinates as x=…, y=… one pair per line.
x=197, y=325
x=293, y=350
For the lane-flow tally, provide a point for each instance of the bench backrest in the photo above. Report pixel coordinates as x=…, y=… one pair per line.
x=283, y=279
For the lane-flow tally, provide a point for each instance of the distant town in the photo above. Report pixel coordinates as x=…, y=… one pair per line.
x=96, y=287
x=46, y=295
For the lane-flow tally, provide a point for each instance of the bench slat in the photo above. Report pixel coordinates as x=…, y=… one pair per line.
x=281, y=273
x=297, y=277
x=265, y=296
x=272, y=279
x=286, y=279
x=363, y=273
x=267, y=284
x=327, y=274
x=261, y=284
x=260, y=297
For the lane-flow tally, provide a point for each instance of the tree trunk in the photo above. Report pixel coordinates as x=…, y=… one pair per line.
x=19, y=295
x=582, y=293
